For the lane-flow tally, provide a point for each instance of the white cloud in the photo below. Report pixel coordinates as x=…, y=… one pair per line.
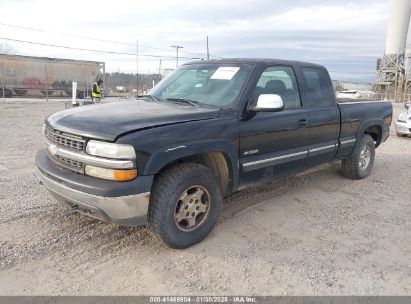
x=331, y=32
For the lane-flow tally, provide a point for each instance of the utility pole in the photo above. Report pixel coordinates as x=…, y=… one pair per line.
x=176, y=47
x=208, y=50
x=137, y=68
x=159, y=70
x=45, y=80
x=2, y=81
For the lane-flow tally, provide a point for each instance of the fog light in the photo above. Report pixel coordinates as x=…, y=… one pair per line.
x=111, y=174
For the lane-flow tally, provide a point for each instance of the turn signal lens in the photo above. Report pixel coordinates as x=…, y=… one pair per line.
x=111, y=174
x=125, y=175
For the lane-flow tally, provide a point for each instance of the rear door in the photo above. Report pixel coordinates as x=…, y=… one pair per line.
x=324, y=116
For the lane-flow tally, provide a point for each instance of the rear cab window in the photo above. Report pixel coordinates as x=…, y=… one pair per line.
x=319, y=90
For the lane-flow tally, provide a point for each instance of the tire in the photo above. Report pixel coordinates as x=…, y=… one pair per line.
x=401, y=135
x=166, y=218
x=353, y=167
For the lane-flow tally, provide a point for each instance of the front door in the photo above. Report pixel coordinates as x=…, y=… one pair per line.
x=274, y=143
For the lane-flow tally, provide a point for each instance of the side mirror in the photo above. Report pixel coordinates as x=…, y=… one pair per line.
x=407, y=105
x=268, y=103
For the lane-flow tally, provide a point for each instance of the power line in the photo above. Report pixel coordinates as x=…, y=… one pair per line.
x=92, y=50
x=65, y=34
x=94, y=39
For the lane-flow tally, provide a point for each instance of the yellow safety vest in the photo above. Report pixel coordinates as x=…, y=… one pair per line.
x=96, y=94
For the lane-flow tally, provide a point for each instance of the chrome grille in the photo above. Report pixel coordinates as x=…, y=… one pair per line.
x=70, y=162
x=64, y=139
x=69, y=142
x=67, y=163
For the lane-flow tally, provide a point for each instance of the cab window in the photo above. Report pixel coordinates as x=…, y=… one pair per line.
x=279, y=80
x=319, y=92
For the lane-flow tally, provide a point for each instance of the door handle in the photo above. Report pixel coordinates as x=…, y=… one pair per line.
x=302, y=122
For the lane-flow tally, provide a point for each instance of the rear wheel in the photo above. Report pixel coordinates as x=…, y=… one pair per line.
x=401, y=135
x=185, y=205
x=359, y=165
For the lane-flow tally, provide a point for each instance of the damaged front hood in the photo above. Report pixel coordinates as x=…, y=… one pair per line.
x=109, y=121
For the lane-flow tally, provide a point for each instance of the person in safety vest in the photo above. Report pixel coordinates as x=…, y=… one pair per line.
x=95, y=92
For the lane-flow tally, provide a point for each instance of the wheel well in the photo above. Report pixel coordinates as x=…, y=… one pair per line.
x=376, y=133
x=217, y=162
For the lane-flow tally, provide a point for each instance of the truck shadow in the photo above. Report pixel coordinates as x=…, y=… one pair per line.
x=260, y=193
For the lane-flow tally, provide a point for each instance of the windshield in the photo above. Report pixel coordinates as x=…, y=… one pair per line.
x=208, y=84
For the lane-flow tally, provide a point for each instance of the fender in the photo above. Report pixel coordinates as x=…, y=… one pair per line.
x=368, y=123
x=160, y=159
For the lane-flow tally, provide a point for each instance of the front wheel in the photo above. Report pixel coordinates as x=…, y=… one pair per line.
x=185, y=205
x=359, y=165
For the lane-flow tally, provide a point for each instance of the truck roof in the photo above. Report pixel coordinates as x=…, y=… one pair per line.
x=257, y=60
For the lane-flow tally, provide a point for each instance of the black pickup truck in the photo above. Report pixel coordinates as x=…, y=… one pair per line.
x=209, y=129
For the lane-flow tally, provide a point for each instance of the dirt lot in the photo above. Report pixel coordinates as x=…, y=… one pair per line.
x=313, y=234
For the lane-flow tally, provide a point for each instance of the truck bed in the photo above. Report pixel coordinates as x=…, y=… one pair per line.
x=358, y=113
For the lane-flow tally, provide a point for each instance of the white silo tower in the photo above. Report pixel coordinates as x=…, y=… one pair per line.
x=391, y=72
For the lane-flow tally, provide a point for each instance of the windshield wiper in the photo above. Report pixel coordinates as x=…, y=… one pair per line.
x=184, y=100
x=151, y=97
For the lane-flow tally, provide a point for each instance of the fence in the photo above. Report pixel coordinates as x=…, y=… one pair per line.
x=394, y=97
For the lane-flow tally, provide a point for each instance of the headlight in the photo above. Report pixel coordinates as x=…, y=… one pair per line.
x=116, y=175
x=402, y=117
x=109, y=150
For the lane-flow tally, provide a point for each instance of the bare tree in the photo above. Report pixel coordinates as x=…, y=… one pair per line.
x=7, y=49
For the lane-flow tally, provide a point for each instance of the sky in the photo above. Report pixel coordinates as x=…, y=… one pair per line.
x=345, y=36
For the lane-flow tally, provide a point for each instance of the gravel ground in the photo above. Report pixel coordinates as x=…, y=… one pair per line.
x=316, y=233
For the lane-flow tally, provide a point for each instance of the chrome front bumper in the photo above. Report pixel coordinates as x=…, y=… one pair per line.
x=128, y=210
x=403, y=127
